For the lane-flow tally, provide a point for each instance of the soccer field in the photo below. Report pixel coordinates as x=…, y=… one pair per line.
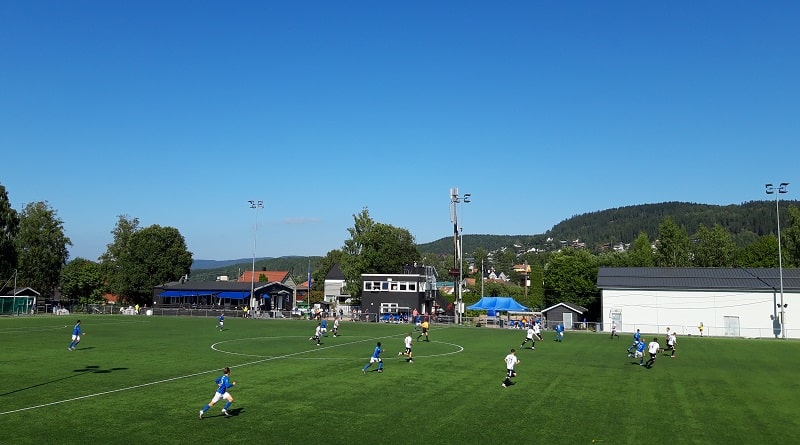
x=144, y=379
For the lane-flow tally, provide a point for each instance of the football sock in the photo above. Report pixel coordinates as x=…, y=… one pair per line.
x=227, y=405
x=206, y=408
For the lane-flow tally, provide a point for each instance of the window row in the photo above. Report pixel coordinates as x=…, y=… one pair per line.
x=390, y=286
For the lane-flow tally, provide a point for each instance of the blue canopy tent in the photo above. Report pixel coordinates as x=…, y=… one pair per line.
x=498, y=304
x=495, y=305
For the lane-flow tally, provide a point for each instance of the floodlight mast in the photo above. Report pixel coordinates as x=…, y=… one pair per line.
x=254, y=204
x=777, y=191
x=458, y=250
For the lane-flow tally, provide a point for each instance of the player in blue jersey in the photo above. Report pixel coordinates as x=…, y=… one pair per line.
x=636, y=337
x=223, y=383
x=221, y=321
x=76, y=336
x=324, y=327
x=559, y=332
x=640, y=347
x=376, y=357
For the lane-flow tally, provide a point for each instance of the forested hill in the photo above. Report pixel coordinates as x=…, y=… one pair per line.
x=746, y=222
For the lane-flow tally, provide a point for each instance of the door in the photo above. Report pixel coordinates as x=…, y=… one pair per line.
x=568, y=320
x=731, y=326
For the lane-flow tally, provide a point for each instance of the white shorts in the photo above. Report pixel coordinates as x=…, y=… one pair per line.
x=218, y=396
x=638, y=354
x=374, y=359
x=76, y=337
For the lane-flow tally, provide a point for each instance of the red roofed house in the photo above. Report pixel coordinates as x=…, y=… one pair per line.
x=273, y=276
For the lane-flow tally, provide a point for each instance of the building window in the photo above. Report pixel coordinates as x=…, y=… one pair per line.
x=388, y=308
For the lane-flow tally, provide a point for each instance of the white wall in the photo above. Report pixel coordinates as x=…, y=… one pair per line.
x=333, y=287
x=653, y=311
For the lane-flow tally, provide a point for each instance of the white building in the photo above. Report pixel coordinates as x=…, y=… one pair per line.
x=732, y=302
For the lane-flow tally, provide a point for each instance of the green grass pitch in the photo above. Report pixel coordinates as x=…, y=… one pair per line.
x=143, y=380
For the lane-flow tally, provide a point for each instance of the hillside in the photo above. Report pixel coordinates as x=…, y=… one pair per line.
x=746, y=222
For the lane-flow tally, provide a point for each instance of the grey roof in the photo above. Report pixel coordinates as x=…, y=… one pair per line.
x=22, y=291
x=700, y=278
x=335, y=273
x=572, y=306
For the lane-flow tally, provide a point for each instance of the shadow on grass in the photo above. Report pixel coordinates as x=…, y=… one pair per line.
x=233, y=412
x=90, y=369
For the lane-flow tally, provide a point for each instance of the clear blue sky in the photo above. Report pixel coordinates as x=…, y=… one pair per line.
x=178, y=113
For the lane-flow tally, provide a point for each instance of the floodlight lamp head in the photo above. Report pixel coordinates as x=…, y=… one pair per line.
x=466, y=197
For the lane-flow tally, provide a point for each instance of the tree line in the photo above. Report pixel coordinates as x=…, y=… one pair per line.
x=34, y=253
x=34, y=250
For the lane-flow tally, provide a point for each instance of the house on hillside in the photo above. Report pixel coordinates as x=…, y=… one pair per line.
x=492, y=275
x=736, y=302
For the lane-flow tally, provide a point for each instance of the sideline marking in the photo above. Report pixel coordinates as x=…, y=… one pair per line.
x=68, y=326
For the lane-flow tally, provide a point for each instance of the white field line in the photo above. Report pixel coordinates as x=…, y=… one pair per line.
x=172, y=379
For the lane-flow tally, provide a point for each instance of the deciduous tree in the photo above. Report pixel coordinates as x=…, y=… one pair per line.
x=375, y=248
x=571, y=276
x=82, y=280
x=713, y=247
x=140, y=259
x=42, y=248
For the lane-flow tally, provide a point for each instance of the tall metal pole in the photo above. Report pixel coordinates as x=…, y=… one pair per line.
x=778, y=191
x=259, y=204
x=455, y=199
x=483, y=275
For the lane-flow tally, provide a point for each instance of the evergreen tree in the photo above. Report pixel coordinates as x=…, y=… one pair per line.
x=790, y=238
x=641, y=252
x=9, y=226
x=673, y=245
